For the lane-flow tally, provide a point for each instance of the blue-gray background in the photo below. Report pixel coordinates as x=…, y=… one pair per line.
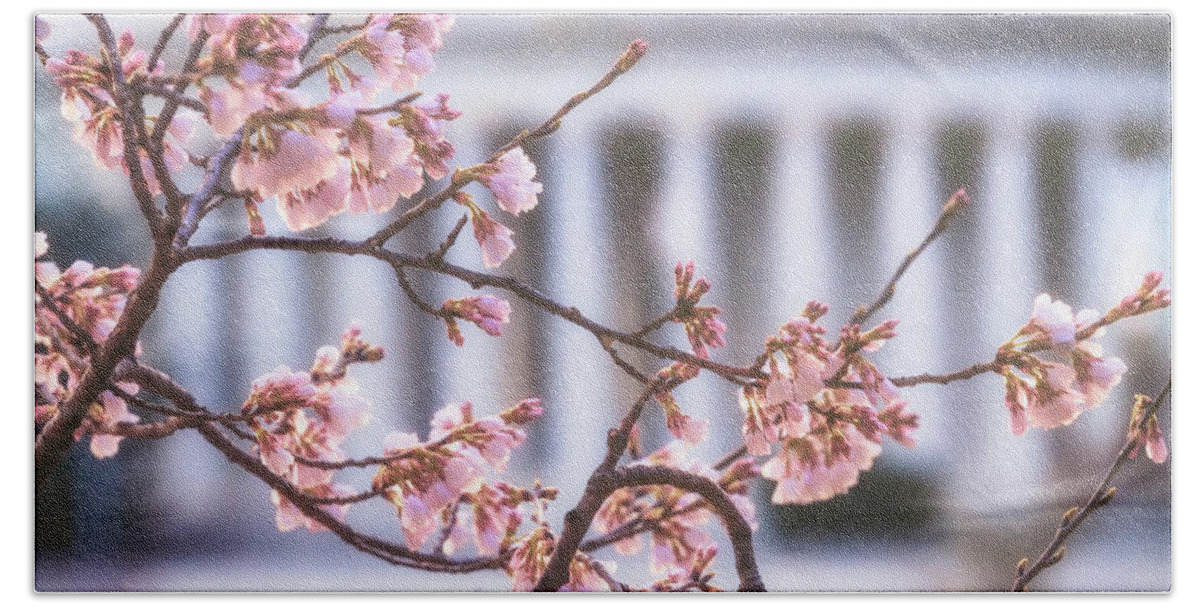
x=793, y=157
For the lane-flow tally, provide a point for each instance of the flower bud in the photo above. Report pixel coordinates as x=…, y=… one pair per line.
x=636, y=50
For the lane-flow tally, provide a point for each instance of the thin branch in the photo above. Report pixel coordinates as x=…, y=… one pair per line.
x=451, y=238
x=323, y=62
x=662, y=319
x=159, y=90
x=411, y=293
x=546, y=128
x=963, y=374
x=571, y=314
x=314, y=34
x=163, y=39
x=956, y=202
x=621, y=363
x=344, y=29
x=218, y=167
x=80, y=334
x=1074, y=517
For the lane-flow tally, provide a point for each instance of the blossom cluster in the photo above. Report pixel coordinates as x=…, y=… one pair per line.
x=489, y=313
x=1069, y=372
x=316, y=158
x=826, y=435
x=531, y=555
x=76, y=310
x=674, y=520
x=426, y=481
x=300, y=420
x=89, y=103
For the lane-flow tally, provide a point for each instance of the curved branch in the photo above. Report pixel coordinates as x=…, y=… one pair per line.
x=957, y=201
x=604, y=483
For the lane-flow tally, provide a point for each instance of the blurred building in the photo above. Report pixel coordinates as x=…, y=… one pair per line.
x=793, y=157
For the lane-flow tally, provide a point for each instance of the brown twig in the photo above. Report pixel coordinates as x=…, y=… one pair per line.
x=314, y=34
x=956, y=202
x=163, y=39
x=1075, y=516
x=449, y=241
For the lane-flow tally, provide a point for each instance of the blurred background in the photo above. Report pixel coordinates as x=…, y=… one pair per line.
x=793, y=157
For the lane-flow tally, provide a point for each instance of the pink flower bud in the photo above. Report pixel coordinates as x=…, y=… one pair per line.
x=495, y=239
x=636, y=50
x=524, y=412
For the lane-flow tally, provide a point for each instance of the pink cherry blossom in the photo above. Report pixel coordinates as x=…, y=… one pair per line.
x=900, y=423
x=425, y=124
x=400, y=47
x=1054, y=401
x=487, y=312
x=342, y=409
x=806, y=472
x=306, y=208
x=799, y=382
x=289, y=517
x=529, y=559
x=379, y=193
x=510, y=178
x=287, y=160
x=758, y=428
x=1096, y=374
x=115, y=411
x=1147, y=436
x=1054, y=318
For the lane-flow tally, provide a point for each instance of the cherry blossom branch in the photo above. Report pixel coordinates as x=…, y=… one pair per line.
x=385, y=550
x=81, y=335
x=1071, y=520
x=175, y=95
x=129, y=128
x=627, y=60
x=957, y=201
x=607, y=478
x=475, y=280
x=58, y=434
x=166, y=387
x=963, y=374
x=218, y=167
x=602, y=484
